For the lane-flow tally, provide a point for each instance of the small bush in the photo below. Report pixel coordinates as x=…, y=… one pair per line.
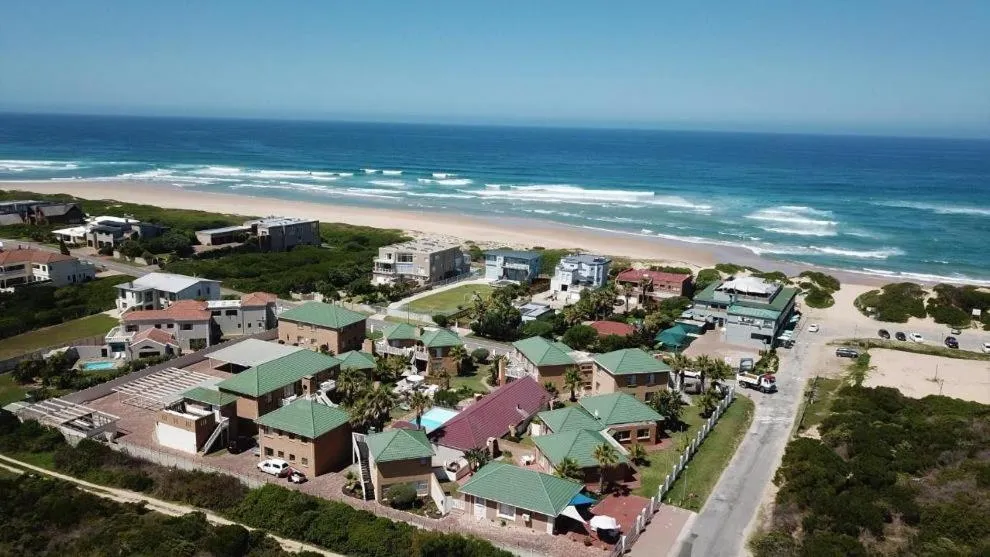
x=441, y=320
x=894, y=303
x=729, y=268
x=818, y=298
x=401, y=496
x=480, y=355
x=825, y=282
x=706, y=277
x=446, y=398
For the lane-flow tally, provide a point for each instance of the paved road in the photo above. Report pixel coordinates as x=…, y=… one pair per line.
x=720, y=528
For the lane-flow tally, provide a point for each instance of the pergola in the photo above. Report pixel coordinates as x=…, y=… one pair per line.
x=64, y=414
x=159, y=389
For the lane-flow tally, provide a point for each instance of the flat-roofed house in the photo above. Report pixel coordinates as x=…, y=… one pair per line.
x=398, y=456
x=223, y=235
x=575, y=273
x=649, y=286
x=25, y=266
x=285, y=233
x=512, y=265
x=252, y=313
x=521, y=497
x=630, y=371
x=264, y=387
x=315, y=325
x=197, y=421
x=422, y=261
x=312, y=437
x=752, y=310
x=159, y=290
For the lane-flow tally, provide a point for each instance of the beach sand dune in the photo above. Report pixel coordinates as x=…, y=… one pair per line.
x=919, y=375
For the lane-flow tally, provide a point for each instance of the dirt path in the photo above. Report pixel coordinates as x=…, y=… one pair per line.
x=157, y=505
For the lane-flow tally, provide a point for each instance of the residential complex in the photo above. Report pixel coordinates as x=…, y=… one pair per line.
x=190, y=424
x=648, y=286
x=420, y=262
x=273, y=233
x=320, y=326
x=398, y=456
x=100, y=232
x=632, y=371
x=507, y=409
x=515, y=266
x=39, y=212
x=159, y=290
x=752, y=310
x=26, y=266
x=575, y=273
x=546, y=361
x=311, y=436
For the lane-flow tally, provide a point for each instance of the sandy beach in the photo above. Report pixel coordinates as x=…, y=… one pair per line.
x=486, y=231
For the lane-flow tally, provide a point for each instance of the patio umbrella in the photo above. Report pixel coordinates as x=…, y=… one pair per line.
x=571, y=512
x=602, y=522
x=415, y=378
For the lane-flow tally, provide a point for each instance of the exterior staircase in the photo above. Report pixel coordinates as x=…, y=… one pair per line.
x=367, y=488
x=212, y=439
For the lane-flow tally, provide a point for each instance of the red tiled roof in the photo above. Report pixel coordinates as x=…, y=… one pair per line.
x=156, y=335
x=635, y=275
x=31, y=255
x=491, y=416
x=183, y=310
x=606, y=328
x=254, y=299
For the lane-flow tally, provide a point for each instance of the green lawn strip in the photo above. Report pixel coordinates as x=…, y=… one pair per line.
x=88, y=326
x=10, y=391
x=660, y=462
x=448, y=300
x=824, y=390
x=695, y=484
x=913, y=347
x=392, y=319
x=474, y=380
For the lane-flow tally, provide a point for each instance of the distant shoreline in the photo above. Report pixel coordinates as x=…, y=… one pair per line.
x=513, y=231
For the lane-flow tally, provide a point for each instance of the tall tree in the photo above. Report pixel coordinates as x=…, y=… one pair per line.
x=679, y=363
x=457, y=354
x=568, y=469
x=572, y=380
x=442, y=376
x=351, y=385
x=607, y=457
x=669, y=404
x=419, y=402
x=704, y=365
x=62, y=248
x=373, y=410
x=477, y=457
x=709, y=401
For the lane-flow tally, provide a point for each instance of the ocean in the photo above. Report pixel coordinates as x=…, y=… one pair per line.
x=900, y=207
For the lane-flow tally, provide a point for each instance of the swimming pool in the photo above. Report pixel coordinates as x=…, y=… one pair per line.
x=98, y=366
x=436, y=417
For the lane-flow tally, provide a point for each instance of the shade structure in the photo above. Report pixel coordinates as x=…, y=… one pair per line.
x=603, y=522
x=571, y=511
x=582, y=499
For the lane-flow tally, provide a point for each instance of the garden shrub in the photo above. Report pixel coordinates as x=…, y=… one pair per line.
x=401, y=496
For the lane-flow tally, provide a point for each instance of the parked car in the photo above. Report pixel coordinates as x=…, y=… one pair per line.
x=297, y=477
x=951, y=342
x=883, y=334
x=900, y=336
x=844, y=352
x=275, y=466
x=986, y=347
x=239, y=444
x=916, y=337
x=813, y=328
x=955, y=331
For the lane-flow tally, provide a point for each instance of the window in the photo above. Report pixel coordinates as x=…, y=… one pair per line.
x=158, y=325
x=507, y=512
x=422, y=487
x=238, y=325
x=230, y=312
x=215, y=313
x=631, y=381
x=424, y=461
x=642, y=434
x=268, y=451
x=281, y=454
x=186, y=326
x=623, y=435
x=131, y=328
x=305, y=461
x=170, y=326
x=292, y=457
x=291, y=435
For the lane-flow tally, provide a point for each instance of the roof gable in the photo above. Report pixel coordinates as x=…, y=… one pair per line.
x=618, y=408
x=277, y=373
x=323, y=315
x=306, y=418
x=491, y=416
x=439, y=338
x=399, y=444
x=578, y=445
x=542, y=352
x=522, y=488
x=400, y=331
x=356, y=360
x=630, y=360
x=569, y=418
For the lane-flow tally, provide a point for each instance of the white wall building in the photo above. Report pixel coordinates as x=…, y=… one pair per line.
x=159, y=290
x=575, y=273
x=23, y=266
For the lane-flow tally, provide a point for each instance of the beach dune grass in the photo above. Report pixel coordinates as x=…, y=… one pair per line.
x=69, y=331
x=447, y=301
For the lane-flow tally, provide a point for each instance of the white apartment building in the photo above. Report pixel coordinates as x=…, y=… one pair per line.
x=575, y=273
x=24, y=266
x=160, y=290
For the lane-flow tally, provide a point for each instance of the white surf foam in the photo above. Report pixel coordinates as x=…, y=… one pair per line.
x=443, y=175
x=799, y=220
x=442, y=195
x=923, y=277
x=369, y=170
x=19, y=165
x=388, y=183
x=937, y=208
x=392, y=172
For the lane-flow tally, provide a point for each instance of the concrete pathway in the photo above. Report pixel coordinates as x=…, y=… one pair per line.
x=661, y=536
x=157, y=505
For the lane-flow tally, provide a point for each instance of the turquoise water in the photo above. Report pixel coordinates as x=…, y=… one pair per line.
x=98, y=366
x=897, y=207
x=436, y=417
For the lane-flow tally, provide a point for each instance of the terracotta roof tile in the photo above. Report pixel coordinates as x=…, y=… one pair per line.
x=634, y=275
x=491, y=416
x=156, y=335
x=183, y=310
x=31, y=255
x=254, y=299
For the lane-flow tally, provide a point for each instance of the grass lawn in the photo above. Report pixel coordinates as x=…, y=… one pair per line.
x=88, y=326
x=10, y=391
x=660, y=462
x=692, y=488
x=473, y=380
x=824, y=390
x=448, y=300
x=392, y=319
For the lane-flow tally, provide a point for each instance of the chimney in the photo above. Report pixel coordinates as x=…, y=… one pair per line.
x=501, y=372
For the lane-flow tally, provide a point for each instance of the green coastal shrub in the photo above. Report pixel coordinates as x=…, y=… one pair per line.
x=730, y=268
x=954, y=305
x=894, y=303
x=828, y=283
x=706, y=277
x=818, y=298
x=401, y=496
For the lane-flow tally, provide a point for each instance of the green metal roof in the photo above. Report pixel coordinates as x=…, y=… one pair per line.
x=269, y=376
x=570, y=418
x=209, y=396
x=708, y=294
x=630, y=360
x=399, y=444
x=618, y=408
x=543, y=352
x=759, y=313
x=400, y=331
x=440, y=337
x=522, y=488
x=323, y=315
x=306, y=418
x=356, y=360
x=579, y=445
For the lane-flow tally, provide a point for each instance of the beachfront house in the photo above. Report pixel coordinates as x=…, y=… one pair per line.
x=320, y=326
x=515, y=266
x=398, y=456
x=28, y=211
x=546, y=361
x=753, y=311
x=160, y=290
x=575, y=273
x=197, y=421
x=107, y=231
x=26, y=266
x=647, y=286
x=250, y=314
x=188, y=321
x=631, y=371
x=421, y=262
x=312, y=437
x=273, y=233
x=518, y=497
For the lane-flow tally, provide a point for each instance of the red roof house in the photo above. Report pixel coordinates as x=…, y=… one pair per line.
x=606, y=328
x=654, y=283
x=182, y=310
x=507, y=406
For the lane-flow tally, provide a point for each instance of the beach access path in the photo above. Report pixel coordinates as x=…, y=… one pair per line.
x=157, y=505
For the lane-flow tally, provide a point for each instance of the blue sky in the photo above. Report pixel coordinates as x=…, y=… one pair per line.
x=897, y=67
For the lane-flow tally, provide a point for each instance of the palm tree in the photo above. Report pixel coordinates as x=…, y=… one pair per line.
x=607, y=457
x=572, y=380
x=709, y=401
x=638, y=453
x=679, y=363
x=375, y=407
x=493, y=372
x=442, y=376
x=569, y=469
x=477, y=457
x=351, y=384
x=704, y=364
x=551, y=390
x=419, y=402
x=719, y=371
x=457, y=353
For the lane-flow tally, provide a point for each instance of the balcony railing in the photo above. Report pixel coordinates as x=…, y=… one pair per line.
x=118, y=334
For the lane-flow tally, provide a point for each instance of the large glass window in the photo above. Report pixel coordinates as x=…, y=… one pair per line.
x=507, y=512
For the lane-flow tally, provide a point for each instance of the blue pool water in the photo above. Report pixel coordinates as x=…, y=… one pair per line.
x=97, y=366
x=436, y=417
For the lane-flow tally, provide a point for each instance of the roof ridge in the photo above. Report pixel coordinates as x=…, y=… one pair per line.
x=546, y=488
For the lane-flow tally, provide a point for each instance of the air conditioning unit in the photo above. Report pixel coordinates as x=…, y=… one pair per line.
x=289, y=400
x=526, y=518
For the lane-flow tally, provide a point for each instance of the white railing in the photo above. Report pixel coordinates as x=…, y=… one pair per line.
x=118, y=334
x=221, y=427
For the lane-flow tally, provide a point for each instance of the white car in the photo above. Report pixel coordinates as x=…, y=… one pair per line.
x=986, y=347
x=274, y=466
x=813, y=328
x=916, y=337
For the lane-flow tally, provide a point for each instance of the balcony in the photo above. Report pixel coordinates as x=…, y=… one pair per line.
x=118, y=334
